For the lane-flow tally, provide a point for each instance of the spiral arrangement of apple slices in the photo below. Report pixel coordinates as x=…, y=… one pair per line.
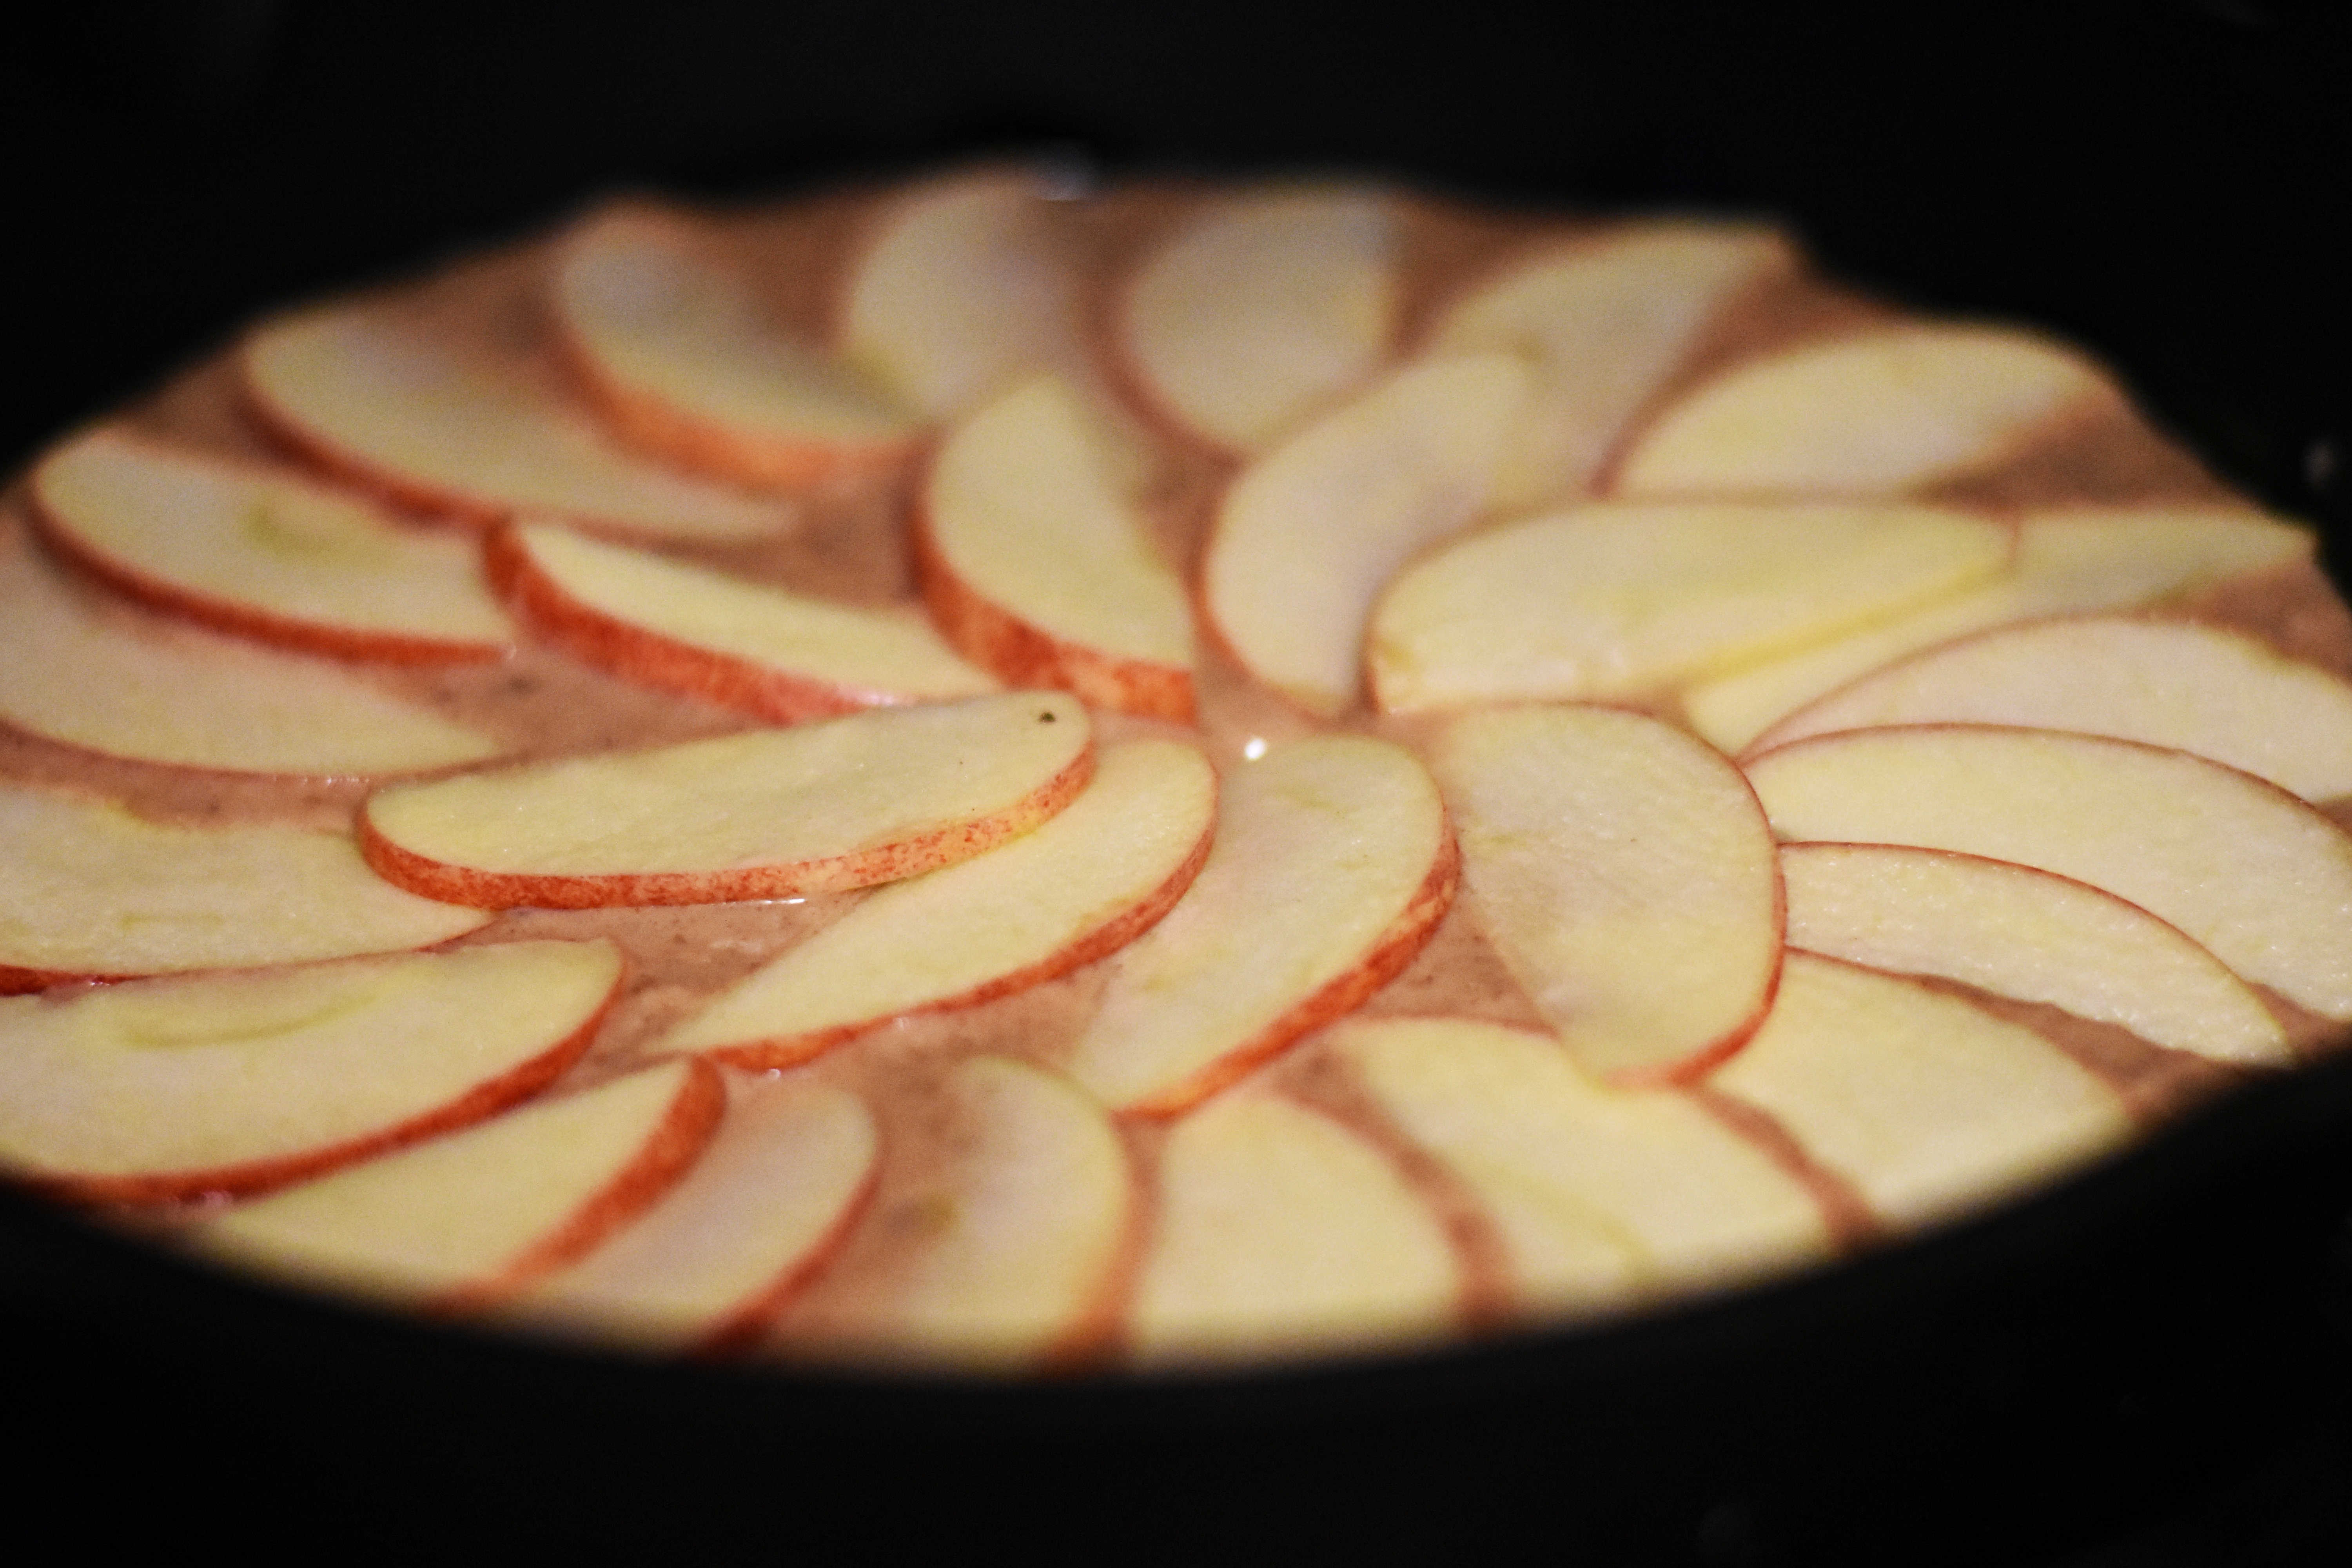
x=971, y=776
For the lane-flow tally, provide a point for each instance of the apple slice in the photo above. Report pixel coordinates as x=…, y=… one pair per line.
x=465, y=1220
x=1262, y=309
x=1601, y=1194
x=1625, y=874
x=88, y=891
x=718, y=1255
x=1613, y=600
x=1928, y=1105
x=265, y=553
x=1333, y=862
x=2072, y=559
x=127, y=686
x=1280, y=1231
x=1036, y=565
x=1307, y=534
x=1605, y=322
x=2245, y=868
x=675, y=348
x=1083, y=885
x=2020, y=932
x=452, y=427
x=164, y=1090
x=2218, y=693
x=845, y=803
x=747, y=646
x=1882, y=412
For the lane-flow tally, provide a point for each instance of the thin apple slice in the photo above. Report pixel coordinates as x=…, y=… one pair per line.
x=1928, y=1105
x=1307, y=534
x=1035, y=565
x=126, y=687
x=758, y=649
x=1605, y=323
x=2079, y=559
x=2250, y=872
x=1601, y=1194
x=1083, y=885
x=1333, y=862
x=467, y=1220
x=2215, y=692
x=819, y=808
x=263, y=553
x=1280, y=1231
x=1882, y=413
x=452, y=427
x=708, y=1264
x=673, y=346
x=2020, y=932
x=1262, y=309
x=1625, y=874
x=1624, y=600
x=89, y=891
x=163, y=1090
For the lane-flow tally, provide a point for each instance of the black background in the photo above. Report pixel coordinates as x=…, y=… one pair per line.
x=2153, y=1367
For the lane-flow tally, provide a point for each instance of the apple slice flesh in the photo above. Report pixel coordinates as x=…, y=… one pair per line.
x=265, y=553
x=79, y=672
x=1332, y=863
x=708, y=1264
x=1880, y=414
x=465, y=1221
x=90, y=891
x=1928, y=1105
x=822, y=807
x=2017, y=932
x=1601, y=1194
x=1076, y=888
x=1280, y=1231
x=452, y=428
x=1307, y=533
x=1262, y=309
x=2218, y=693
x=747, y=646
x=2076, y=560
x=2255, y=876
x=146, y=1091
x=1037, y=567
x=1605, y=323
x=1625, y=874
x=1619, y=600
x=674, y=347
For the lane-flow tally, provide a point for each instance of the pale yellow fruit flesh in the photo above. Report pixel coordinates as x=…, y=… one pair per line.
x=1278, y=1230
x=1262, y=309
x=1930, y=1107
x=214, y=1071
x=2020, y=932
x=1625, y=874
x=1307, y=534
x=1601, y=1195
x=86, y=888
x=951, y=931
x=1611, y=601
x=2256, y=876
x=1881, y=413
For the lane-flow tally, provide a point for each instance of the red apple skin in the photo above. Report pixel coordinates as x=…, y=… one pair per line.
x=478, y=889
x=484, y=1100
x=1395, y=948
x=648, y=658
x=792, y=1050
x=740, y=1329
x=291, y=437
x=1022, y=655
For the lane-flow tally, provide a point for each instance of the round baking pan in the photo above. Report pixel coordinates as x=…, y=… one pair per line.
x=2151, y=1363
